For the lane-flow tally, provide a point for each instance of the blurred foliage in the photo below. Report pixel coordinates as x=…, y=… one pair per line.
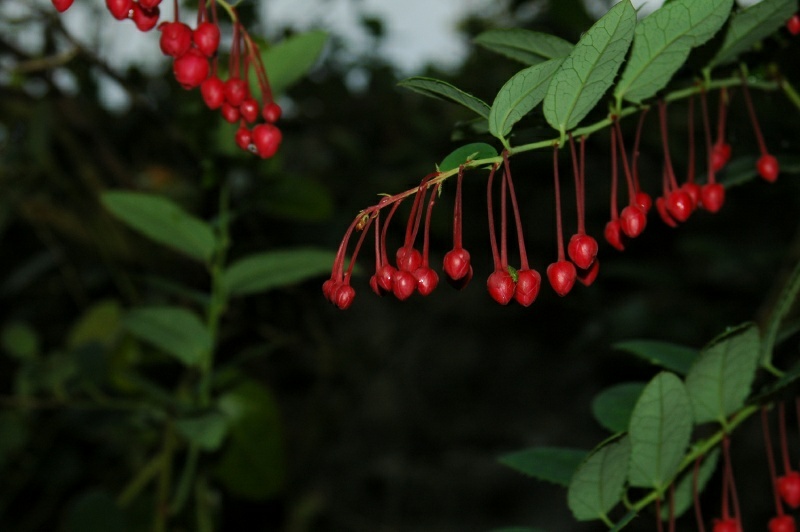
x=385, y=417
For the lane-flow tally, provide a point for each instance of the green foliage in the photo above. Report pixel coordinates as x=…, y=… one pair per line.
x=175, y=330
x=163, y=221
x=551, y=464
x=670, y=356
x=721, y=377
x=464, y=154
x=20, y=341
x=268, y=270
x=442, y=90
x=589, y=70
x=662, y=43
x=597, y=485
x=526, y=46
x=207, y=431
x=289, y=61
x=524, y=91
x=684, y=486
x=612, y=407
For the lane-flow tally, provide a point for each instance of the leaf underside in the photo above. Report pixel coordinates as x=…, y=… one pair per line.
x=442, y=90
x=526, y=46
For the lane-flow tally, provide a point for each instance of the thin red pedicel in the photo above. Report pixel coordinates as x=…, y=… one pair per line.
x=456, y=264
x=528, y=280
x=612, y=230
x=712, y=194
x=689, y=186
x=632, y=218
x=767, y=164
x=771, y=461
x=500, y=283
x=678, y=202
x=561, y=274
x=643, y=199
x=582, y=248
x=698, y=512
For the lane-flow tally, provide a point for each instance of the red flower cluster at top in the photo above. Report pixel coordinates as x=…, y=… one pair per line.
x=194, y=52
x=411, y=271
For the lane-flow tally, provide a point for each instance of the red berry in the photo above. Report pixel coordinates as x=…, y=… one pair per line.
x=456, y=264
x=328, y=288
x=528, y=284
x=613, y=235
x=587, y=277
x=145, y=19
x=427, y=280
x=266, y=138
x=191, y=69
x=62, y=5
x=271, y=112
x=712, y=197
x=176, y=38
x=768, y=167
x=206, y=38
x=793, y=24
x=679, y=205
x=403, y=285
x=789, y=488
x=408, y=258
x=643, y=201
x=661, y=207
x=782, y=523
x=213, y=92
x=120, y=9
x=720, y=155
x=243, y=138
x=385, y=277
x=230, y=113
x=726, y=525
x=149, y=4
x=562, y=275
x=693, y=191
x=582, y=249
x=249, y=109
x=501, y=286
x=632, y=221
x=343, y=296
x=236, y=91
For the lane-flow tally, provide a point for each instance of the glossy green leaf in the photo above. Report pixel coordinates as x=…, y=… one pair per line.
x=589, y=70
x=526, y=46
x=174, y=330
x=551, y=464
x=290, y=60
x=670, y=356
x=252, y=461
x=207, y=431
x=436, y=88
x=466, y=153
x=750, y=25
x=684, y=488
x=275, y=269
x=660, y=430
x=598, y=483
x=662, y=42
x=612, y=407
x=163, y=221
x=519, y=96
x=721, y=377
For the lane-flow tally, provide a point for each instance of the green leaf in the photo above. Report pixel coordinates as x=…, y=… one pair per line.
x=520, y=94
x=98, y=324
x=439, y=89
x=290, y=60
x=174, y=330
x=721, y=377
x=660, y=430
x=207, y=431
x=662, y=42
x=20, y=340
x=589, y=70
x=750, y=25
x=598, y=483
x=526, y=46
x=551, y=464
x=252, y=463
x=162, y=221
x=275, y=269
x=785, y=302
x=684, y=498
x=466, y=153
x=612, y=407
x=670, y=356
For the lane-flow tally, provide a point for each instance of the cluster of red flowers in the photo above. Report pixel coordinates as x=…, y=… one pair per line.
x=411, y=271
x=195, y=57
